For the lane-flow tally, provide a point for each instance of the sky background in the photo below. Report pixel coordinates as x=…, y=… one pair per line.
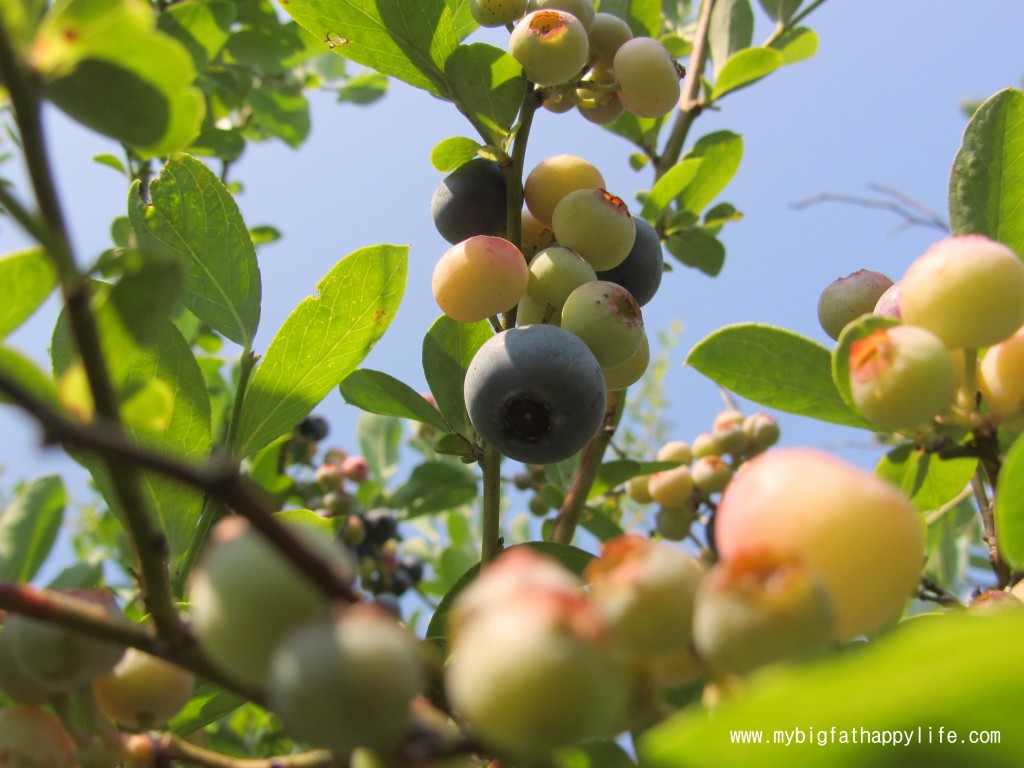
x=880, y=103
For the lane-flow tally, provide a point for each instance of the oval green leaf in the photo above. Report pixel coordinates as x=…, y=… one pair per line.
x=322, y=342
x=488, y=85
x=776, y=368
x=1009, y=506
x=448, y=349
x=928, y=480
x=29, y=527
x=720, y=154
x=380, y=393
x=746, y=67
x=985, y=191
x=26, y=279
x=452, y=152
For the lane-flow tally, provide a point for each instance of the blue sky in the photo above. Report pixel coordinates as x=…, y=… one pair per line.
x=880, y=103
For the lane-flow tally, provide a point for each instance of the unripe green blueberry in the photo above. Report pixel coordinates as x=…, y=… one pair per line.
x=479, y=277
x=619, y=377
x=1001, y=380
x=672, y=487
x=888, y=304
x=675, y=450
x=594, y=102
x=595, y=224
x=246, y=596
x=33, y=738
x=556, y=272
x=648, y=77
x=704, y=445
x=607, y=319
x=644, y=592
x=143, y=691
x=967, y=290
x=582, y=9
x=555, y=177
x=757, y=608
x=559, y=98
x=539, y=506
x=727, y=432
x=347, y=682
x=62, y=658
x=534, y=677
x=15, y=684
x=901, y=377
x=638, y=490
x=535, y=235
x=536, y=393
x=641, y=271
x=470, y=201
x=496, y=13
x=762, y=431
x=847, y=298
x=551, y=46
x=711, y=474
x=862, y=536
x=532, y=312
x=673, y=523
x=607, y=34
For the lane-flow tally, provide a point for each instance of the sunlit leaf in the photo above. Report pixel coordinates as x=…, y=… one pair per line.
x=720, y=154
x=105, y=63
x=18, y=368
x=776, y=368
x=922, y=682
x=643, y=16
x=26, y=279
x=452, y=152
x=731, y=30
x=322, y=342
x=1009, y=506
x=746, y=67
x=448, y=349
x=191, y=215
x=489, y=86
x=796, y=45
x=29, y=527
x=202, y=26
x=669, y=186
x=929, y=481
x=986, y=185
x=380, y=393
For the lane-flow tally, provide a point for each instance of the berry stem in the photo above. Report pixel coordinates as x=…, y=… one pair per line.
x=491, y=542
x=568, y=516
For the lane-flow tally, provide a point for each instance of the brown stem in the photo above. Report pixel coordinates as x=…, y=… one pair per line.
x=583, y=478
x=988, y=470
x=220, y=477
x=157, y=750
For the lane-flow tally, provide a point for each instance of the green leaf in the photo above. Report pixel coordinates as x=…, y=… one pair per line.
x=696, y=248
x=776, y=368
x=281, y=110
x=854, y=331
x=322, y=342
x=451, y=444
x=435, y=486
x=379, y=438
x=669, y=187
x=731, y=30
x=23, y=371
x=594, y=754
x=746, y=67
x=111, y=162
x=380, y=393
x=720, y=153
x=929, y=482
x=362, y=88
x=158, y=358
x=209, y=704
x=643, y=16
x=409, y=41
x=489, y=86
x=192, y=215
x=796, y=45
x=600, y=525
x=571, y=557
x=780, y=10
x=452, y=152
x=202, y=27
x=986, y=186
x=26, y=279
x=29, y=527
x=1009, y=506
x=615, y=473
x=271, y=47
x=106, y=65
x=448, y=349
x=838, y=700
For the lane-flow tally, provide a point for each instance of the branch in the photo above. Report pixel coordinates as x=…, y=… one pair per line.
x=91, y=619
x=912, y=212
x=689, y=104
x=220, y=478
x=583, y=478
x=157, y=750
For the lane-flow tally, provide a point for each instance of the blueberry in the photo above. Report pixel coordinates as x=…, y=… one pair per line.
x=313, y=428
x=641, y=272
x=536, y=394
x=470, y=201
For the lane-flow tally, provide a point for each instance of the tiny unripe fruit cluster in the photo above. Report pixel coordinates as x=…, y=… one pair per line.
x=584, y=59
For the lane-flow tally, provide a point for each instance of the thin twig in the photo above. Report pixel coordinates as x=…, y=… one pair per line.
x=901, y=206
